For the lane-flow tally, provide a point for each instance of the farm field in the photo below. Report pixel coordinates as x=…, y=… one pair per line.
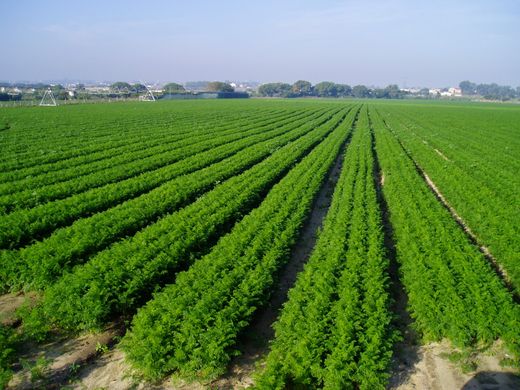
x=267, y=243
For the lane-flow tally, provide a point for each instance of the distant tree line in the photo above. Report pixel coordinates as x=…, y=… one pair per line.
x=127, y=89
x=34, y=91
x=302, y=88
x=489, y=91
x=203, y=86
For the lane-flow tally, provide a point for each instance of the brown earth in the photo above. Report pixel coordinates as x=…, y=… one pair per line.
x=432, y=370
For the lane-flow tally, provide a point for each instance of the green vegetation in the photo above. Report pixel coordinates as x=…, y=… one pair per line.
x=452, y=289
x=180, y=217
x=477, y=172
x=67, y=246
x=120, y=278
x=203, y=312
x=6, y=354
x=334, y=331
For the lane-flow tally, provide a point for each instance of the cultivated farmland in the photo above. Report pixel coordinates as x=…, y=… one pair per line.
x=272, y=243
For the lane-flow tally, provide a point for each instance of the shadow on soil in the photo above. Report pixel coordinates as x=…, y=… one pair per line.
x=490, y=380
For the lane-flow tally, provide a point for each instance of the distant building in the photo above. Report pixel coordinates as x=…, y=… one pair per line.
x=97, y=89
x=455, y=91
x=411, y=90
x=446, y=92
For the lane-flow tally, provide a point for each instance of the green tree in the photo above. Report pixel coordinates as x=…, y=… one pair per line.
x=326, y=89
x=424, y=92
x=58, y=88
x=468, y=88
x=121, y=87
x=344, y=90
x=139, y=88
x=275, y=90
x=360, y=91
x=302, y=88
x=173, y=88
x=393, y=92
x=218, y=86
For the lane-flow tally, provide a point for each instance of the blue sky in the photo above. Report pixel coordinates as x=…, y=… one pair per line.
x=374, y=42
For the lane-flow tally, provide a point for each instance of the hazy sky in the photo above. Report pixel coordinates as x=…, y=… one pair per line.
x=373, y=42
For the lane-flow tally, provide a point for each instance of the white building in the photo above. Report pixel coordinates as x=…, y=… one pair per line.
x=449, y=92
x=455, y=91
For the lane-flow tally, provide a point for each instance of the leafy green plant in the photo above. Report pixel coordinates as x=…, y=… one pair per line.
x=453, y=292
x=123, y=276
x=101, y=348
x=192, y=325
x=335, y=329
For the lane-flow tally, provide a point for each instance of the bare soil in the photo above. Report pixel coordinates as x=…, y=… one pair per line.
x=53, y=363
x=434, y=371
x=441, y=154
x=9, y=303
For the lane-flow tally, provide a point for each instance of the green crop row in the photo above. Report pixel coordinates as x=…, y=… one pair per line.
x=92, y=151
x=160, y=143
x=471, y=183
x=134, y=164
x=193, y=324
x=64, y=141
x=123, y=277
x=39, y=264
x=7, y=336
x=21, y=226
x=77, y=142
x=335, y=331
x=453, y=291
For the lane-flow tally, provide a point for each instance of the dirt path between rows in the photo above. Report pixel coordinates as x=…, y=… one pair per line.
x=9, y=303
x=433, y=371
x=53, y=363
x=441, y=154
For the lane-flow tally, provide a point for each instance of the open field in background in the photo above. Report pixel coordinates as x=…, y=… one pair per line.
x=276, y=243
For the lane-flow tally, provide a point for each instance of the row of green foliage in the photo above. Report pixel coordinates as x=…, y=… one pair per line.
x=19, y=227
x=192, y=325
x=135, y=164
x=7, y=336
x=335, y=329
x=143, y=153
x=41, y=139
x=478, y=174
x=112, y=144
x=453, y=291
x=121, y=278
x=31, y=150
x=40, y=264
